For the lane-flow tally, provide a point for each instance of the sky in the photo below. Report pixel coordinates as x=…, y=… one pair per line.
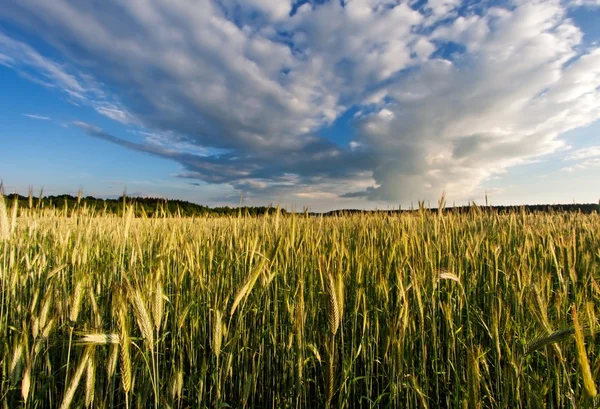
x=322, y=104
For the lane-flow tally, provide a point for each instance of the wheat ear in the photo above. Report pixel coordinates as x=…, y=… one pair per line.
x=584, y=364
x=68, y=398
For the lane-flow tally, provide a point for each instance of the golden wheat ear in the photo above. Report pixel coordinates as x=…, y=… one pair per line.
x=83, y=365
x=98, y=339
x=4, y=223
x=584, y=364
x=217, y=333
x=334, y=310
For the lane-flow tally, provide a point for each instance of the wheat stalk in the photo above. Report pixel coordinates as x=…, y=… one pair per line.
x=113, y=357
x=251, y=280
x=4, y=224
x=177, y=385
x=248, y=285
x=13, y=220
x=99, y=339
x=557, y=336
x=333, y=290
x=90, y=380
x=217, y=333
x=45, y=309
x=68, y=398
x=16, y=364
x=446, y=275
x=584, y=365
x=26, y=382
x=158, y=304
x=44, y=335
x=76, y=302
x=334, y=306
x=125, y=355
x=142, y=317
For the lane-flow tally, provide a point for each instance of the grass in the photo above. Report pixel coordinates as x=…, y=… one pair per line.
x=418, y=310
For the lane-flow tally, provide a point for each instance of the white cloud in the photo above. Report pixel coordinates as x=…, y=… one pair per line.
x=437, y=10
x=586, y=164
x=79, y=87
x=18, y=51
x=587, y=3
x=458, y=123
x=584, y=153
x=6, y=60
x=316, y=195
x=114, y=112
x=585, y=158
x=40, y=117
x=448, y=95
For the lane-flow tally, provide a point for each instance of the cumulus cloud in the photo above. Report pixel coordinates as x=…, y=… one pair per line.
x=447, y=94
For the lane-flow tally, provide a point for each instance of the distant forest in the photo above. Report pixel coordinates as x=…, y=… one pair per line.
x=159, y=207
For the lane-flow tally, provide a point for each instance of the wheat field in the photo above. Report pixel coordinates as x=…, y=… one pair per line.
x=424, y=309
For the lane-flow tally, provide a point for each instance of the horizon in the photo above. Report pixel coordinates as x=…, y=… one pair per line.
x=414, y=206
x=329, y=105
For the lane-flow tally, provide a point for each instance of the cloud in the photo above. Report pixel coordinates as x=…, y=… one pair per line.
x=586, y=158
x=319, y=163
x=586, y=164
x=40, y=117
x=79, y=88
x=5, y=60
x=20, y=54
x=449, y=93
x=584, y=153
x=114, y=112
x=585, y=3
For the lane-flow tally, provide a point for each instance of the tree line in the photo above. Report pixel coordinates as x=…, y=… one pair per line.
x=160, y=207
x=143, y=206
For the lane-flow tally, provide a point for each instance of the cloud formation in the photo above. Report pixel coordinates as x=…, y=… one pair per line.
x=583, y=159
x=39, y=117
x=447, y=93
x=588, y=3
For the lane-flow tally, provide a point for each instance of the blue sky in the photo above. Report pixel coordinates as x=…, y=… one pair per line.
x=325, y=104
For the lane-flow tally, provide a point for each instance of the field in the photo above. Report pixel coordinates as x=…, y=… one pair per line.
x=419, y=310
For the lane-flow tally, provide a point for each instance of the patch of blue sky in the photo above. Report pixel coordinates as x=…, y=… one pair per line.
x=588, y=21
x=299, y=3
x=32, y=147
x=469, y=7
x=449, y=50
x=583, y=137
x=553, y=165
x=35, y=42
x=342, y=131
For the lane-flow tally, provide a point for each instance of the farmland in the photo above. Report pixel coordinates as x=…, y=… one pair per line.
x=424, y=309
